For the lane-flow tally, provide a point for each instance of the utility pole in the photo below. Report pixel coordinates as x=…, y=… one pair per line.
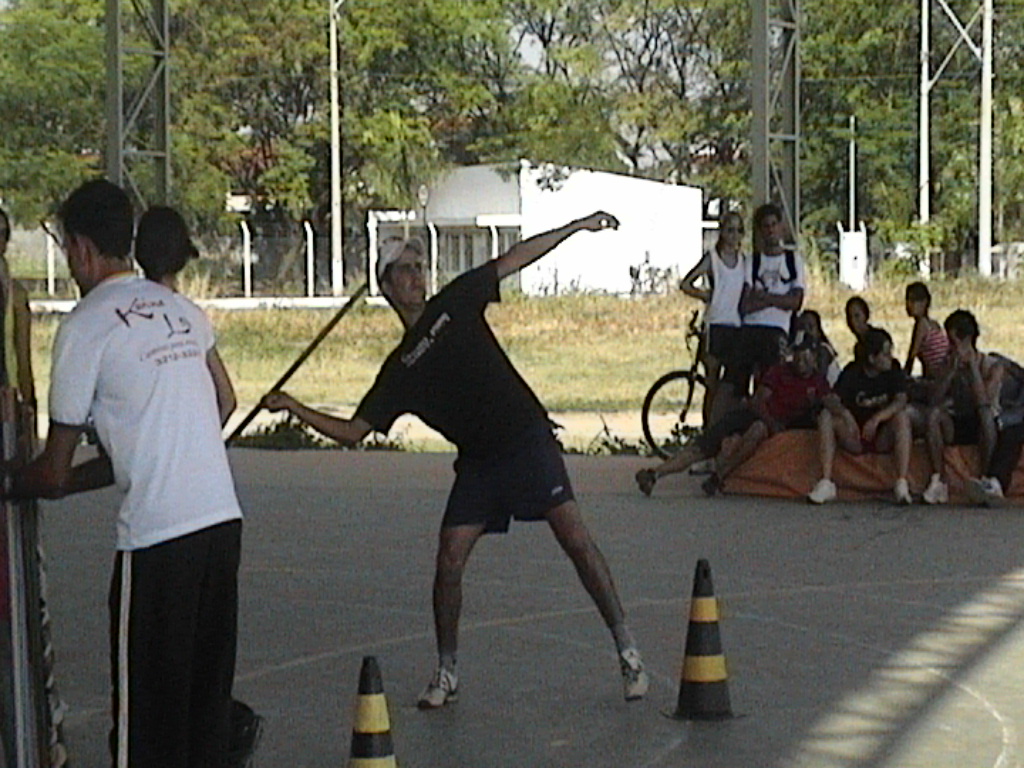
x=337, y=259
x=924, y=177
x=985, y=146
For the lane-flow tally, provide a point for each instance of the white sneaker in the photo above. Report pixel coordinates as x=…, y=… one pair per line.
x=985, y=492
x=441, y=689
x=634, y=679
x=823, y=492
x=902, y=492
x=936, y=492
x=994, y=496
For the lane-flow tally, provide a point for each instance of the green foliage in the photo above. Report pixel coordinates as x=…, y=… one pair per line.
x=290, y=434
x=287, y=434
x=51, y=101
x=607, y=443
x=656, y=88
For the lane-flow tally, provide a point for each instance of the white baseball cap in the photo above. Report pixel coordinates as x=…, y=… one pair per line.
x=392, y=248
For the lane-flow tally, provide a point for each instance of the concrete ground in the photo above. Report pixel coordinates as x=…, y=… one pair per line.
x=855, y=635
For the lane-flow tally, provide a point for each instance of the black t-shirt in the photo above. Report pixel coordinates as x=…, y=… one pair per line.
x=451, y=372
x=864, y=395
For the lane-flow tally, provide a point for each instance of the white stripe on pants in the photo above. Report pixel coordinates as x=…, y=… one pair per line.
x=122, y=656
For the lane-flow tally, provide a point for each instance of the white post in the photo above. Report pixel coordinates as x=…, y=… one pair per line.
x=495, y=251
x=371, y=262
x=853, y=172
x=423, y=196
x=310, y=260
x=51, y=268
x=985, y=148
x=337, y=262
x=246, y=259
x=432, y=228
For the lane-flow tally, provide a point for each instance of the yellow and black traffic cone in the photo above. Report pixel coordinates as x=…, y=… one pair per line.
x=703, y=687
x=371, y=727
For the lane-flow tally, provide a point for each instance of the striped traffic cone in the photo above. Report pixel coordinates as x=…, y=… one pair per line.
x=371, y=728
x=703, y=688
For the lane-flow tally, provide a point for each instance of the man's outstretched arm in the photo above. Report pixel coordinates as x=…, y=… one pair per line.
x=528, y=251
x=344, y=431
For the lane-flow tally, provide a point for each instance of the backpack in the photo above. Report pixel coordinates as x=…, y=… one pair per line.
x=755, y=272
x=1011, y=392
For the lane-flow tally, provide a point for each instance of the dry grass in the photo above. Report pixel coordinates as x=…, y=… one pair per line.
x=997, y=305
x=580, y=353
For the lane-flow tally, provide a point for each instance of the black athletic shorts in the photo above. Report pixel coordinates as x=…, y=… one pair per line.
x=723, y=342
x=526, y=483
x=806, y=420
x=760, y=346
x=966, y=428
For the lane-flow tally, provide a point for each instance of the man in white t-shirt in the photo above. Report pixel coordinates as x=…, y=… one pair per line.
x=773, y=291
x=132, y=359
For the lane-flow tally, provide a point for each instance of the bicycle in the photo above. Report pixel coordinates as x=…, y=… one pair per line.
x=663, y=415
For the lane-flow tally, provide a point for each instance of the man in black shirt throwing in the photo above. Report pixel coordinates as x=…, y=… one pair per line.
x=450, y=371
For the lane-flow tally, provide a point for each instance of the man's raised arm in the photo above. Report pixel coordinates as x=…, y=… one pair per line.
x=528, y=251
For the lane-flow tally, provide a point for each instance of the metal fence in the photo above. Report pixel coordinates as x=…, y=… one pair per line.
x=273, y=261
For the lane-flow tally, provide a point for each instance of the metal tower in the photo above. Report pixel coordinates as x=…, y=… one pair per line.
x=775, y=93
x=138, y=107
x=966, y=34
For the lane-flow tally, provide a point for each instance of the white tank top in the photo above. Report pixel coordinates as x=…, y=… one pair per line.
x=727, y=287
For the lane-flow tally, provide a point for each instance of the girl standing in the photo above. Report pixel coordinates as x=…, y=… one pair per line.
x=722, y=269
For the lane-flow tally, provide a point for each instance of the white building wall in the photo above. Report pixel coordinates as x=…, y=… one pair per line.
x=660, y=225
x=463, y=194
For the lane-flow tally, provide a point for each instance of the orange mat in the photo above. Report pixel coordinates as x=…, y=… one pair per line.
x=787, y=465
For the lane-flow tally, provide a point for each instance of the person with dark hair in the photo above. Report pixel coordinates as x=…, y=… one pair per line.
x=450, y=371
x=133, y=359
x=809, y=328
x=866, y=413
x=787, y=397
x=773, y=290
x=991, y=489
x=928, y=341
x=964, y=403
x=722, y=270
x=16, y=338
x=858, y=316
x=16, y=372
x=163, y=248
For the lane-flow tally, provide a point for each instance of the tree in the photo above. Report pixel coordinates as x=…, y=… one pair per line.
x=248, y=97
x=424, y=85
x=51, y=102
x=654, y=88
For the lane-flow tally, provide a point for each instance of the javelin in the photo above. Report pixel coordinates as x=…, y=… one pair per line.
x=301, y=359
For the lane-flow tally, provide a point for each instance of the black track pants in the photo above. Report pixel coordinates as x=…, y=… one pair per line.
x=175, y=653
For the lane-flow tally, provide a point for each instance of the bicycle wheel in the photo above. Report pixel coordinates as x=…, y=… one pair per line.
x=663, y=415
